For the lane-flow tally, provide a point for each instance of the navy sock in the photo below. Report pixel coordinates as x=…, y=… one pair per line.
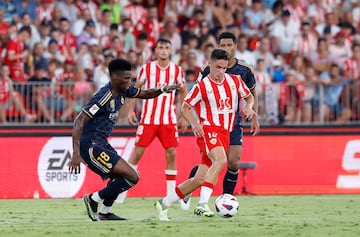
x=230, y=180
x=193, y=171
x=113, y=189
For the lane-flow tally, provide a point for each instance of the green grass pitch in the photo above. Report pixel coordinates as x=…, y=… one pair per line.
x=288, y=216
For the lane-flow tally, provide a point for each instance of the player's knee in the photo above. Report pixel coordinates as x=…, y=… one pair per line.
x=134, y=178
x=233, y=165
x=171, y=153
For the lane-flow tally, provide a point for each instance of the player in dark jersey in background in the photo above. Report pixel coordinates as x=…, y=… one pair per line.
x=93, y=126
x=227, y=41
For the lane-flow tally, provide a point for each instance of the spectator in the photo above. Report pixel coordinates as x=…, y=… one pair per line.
x=330, y=23
x=138, y=15
x=4, y=26
x=316, y=12
x=128, y=38
x=306, y=41
x=263, y=80
x=44, y=32
x=16, y=54
x=152, y=25
x=89, y=60
x=263, y=52
x=39, y=93
x=254, y=20
x=9, y=10
x=26, y=21
x=54, y=18
x=101, y=72
x=67, y=40
x=333, y=83
x=45, y=11
x=26, y=6
x=144, y=47
x=340, y=51
x=79, y=25
x=103, y=27
x=114, y=8
x=321, y=59
x=68, y=10
x=311, y=82
x=242, y=53
x=171, y=33
x=87, y=34
x=53, y=51
x=284, y=33
x=8, y=97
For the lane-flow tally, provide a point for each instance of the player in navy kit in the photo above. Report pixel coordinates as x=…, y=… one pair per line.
x=93, y=126
x=227, y=41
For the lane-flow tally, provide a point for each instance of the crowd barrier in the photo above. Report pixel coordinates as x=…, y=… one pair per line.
x=289, y=160
x=279, y=103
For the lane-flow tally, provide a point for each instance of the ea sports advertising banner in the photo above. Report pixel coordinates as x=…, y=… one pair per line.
x=38, y=166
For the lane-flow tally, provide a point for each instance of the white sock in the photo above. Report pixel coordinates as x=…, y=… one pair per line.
x=205, y=194
x=105, y=209
x=170, y=183
x=95, y=196
x=170, y=199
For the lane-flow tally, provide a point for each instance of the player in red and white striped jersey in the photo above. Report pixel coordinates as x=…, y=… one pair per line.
x=215, y=99
x=158, y=117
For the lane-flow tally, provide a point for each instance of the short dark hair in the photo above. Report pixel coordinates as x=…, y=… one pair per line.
x=25, y=29
x=219, y=54
x=163, y=40
x=119, y=65
x=227, y=35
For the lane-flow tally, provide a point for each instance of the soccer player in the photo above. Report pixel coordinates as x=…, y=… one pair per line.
x=92, y=128
x=227, y=41
x=158, y=116
x=215, y=100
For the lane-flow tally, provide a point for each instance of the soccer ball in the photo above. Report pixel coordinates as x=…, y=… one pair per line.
x=226, y=205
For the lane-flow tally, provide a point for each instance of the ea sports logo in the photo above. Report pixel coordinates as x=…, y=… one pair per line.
x=53, y=172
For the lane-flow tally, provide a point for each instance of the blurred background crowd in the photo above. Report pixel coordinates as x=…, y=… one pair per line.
x=305, y=54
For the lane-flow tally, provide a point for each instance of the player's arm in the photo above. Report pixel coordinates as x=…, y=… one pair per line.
x=76, y=159
x=254, y=125
x=248, y=111
x=182, y=123
x=192, y=120
x=155, y=92
x=132, y=119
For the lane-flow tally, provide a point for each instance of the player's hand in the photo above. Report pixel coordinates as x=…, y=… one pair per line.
x=197, y=130
x=168, y=89
x=132, y=119
x=248, y=112
x=254, y=126
x=74, y=166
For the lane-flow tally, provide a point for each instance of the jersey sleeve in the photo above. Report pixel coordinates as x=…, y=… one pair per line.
x=96, y=104
x=193, y=96
x=142, y=75
x=132, y=92
x=244, y=91
x=250, y=79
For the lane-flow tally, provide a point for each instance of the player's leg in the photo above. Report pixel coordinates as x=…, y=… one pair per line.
x=168, y=137
x=234, y=154
x=108, y=164
x=145, y=134
x=219, y=159
x=180, y=192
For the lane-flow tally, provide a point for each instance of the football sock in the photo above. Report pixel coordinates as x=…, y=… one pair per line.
x=95, y=196
x=105, y=209
x=113, y=188
x=230, y=180
x=171, y=198
x=170, y=180
x=205, y=192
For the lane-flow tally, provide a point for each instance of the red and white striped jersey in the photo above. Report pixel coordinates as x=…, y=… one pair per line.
x=162, y=109
x=352, y=67
x=216, y=103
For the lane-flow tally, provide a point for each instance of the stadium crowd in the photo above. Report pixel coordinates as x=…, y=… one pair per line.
x=305, y=54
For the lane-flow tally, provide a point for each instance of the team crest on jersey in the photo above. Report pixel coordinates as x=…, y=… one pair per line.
x=122, y=100
x=112, y=105
x=213, y=141
x=93, y=109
